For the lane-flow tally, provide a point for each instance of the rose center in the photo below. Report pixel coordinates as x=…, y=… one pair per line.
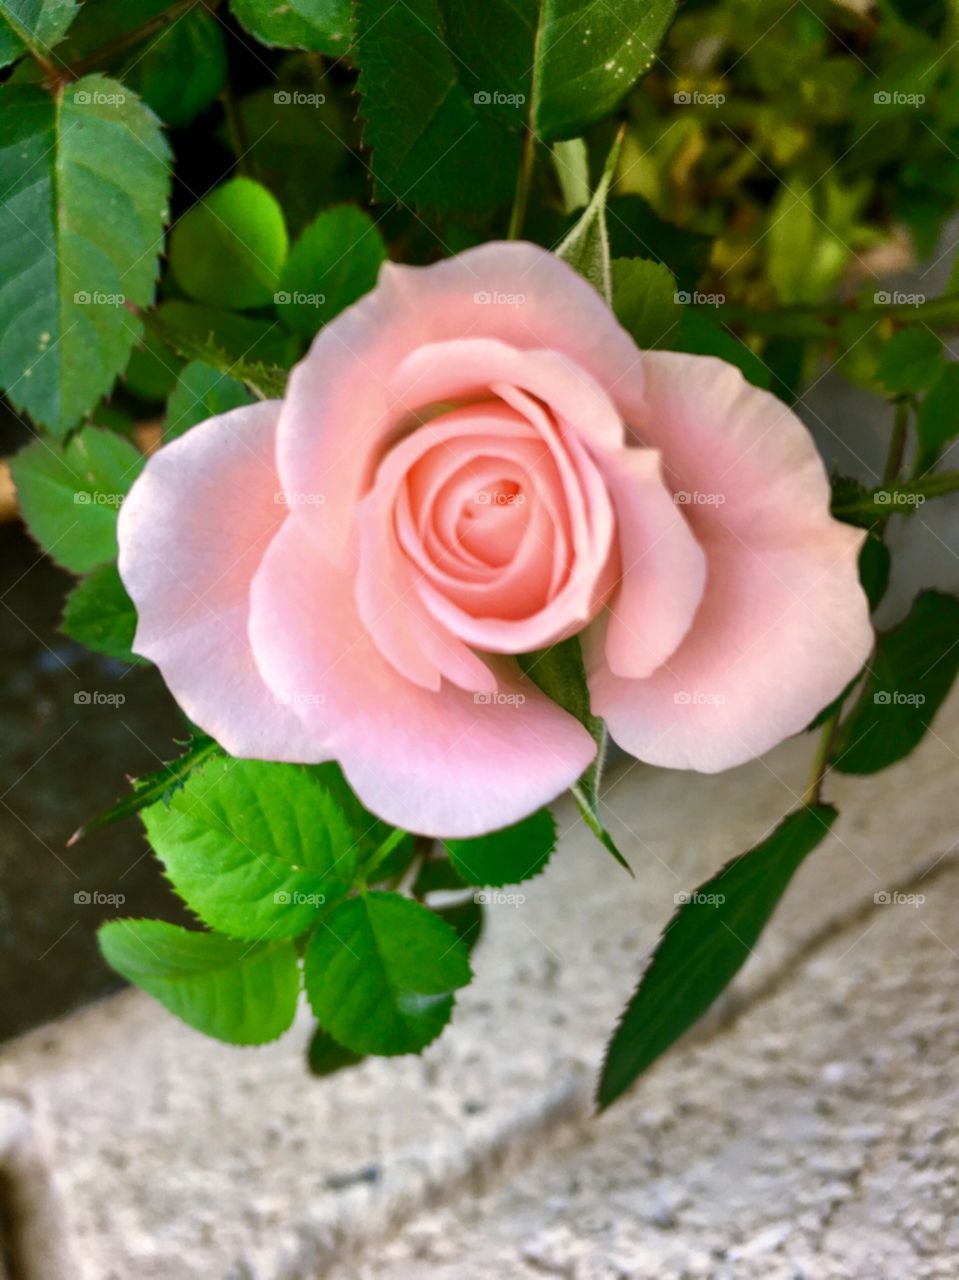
x=492, y=522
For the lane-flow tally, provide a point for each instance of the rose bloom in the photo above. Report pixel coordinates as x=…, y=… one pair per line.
x=473, y=462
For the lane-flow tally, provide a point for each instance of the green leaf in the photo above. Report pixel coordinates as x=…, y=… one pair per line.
x=571, y=163
x=100, y=614
x=234, y=991
x=257, y=850
x=911, y=360
x=325, y=1057
x=701, y=335
x=466, y=919
x=152, y=370
x=181, y=70
x=228, y=250
x=324, y=26
x=70, y=495
x=636, y=231
x=432, y=145
x=335, y=261
x=252, y=351
x=380, y=974
x=35, y=24
x=85, y=183
x=704, y=945
x=588, y=55
x=159, y=785
x=201, y=392
x=937, y=423
x=560, y=673
x=907, y=680
x=645, y=301
x=507, y=856
x=586, y=246
x=875, y=563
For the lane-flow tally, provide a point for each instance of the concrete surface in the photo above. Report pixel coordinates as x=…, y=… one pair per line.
x=807, y=1130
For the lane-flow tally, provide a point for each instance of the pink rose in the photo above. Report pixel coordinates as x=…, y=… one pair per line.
x=473, y=462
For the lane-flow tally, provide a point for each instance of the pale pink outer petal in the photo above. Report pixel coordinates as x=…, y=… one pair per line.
x=784, y=623
x=448, y=763
x=662, y=566
x=339, y=407
x=192, y=532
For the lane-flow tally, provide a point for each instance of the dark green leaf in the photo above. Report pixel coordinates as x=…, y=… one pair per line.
x=702, y=948
x=588, y=55
x=201, y=392
x=907, y=680
x=147, y=790
x=937, y=423
x=874, y=565
x=646, y=301
x=701, y=335
x=335, y=261
x=239, y=992
x=257, y=850
x=70, y=495
x=465, y=918
x=507, y=856
x=181, y=70
x=380, y=974
x=325, y=1057
x=432, y=145
x=323, y=26
x=636, y=231
x=100, y=614
x=911, y=360
x=229, y=249
x=84, y=184
x=152, y=369
x=255, y=353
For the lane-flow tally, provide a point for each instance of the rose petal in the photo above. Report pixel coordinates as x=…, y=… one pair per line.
x=192, y=532
x=339, y=409
x=445, y=764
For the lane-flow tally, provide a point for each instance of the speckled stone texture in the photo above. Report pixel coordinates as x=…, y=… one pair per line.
x=807, y=1129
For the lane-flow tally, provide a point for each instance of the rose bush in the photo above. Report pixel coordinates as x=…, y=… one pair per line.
x=475, y=462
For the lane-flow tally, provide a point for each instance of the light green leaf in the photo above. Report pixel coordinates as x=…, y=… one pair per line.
x=100, y=614
x=201, y=392
x=229, y=249
x=324, y=26
x=645, y=301
x=380, y=974
x=588, y=55
x=239, y=992
x=70, y=496
x=84, y=178
x=704, y=945
x=507, y=856
x=335, y=261
x=586, y=247
x=571, y=162
x=907, y=680
x=257, y=850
